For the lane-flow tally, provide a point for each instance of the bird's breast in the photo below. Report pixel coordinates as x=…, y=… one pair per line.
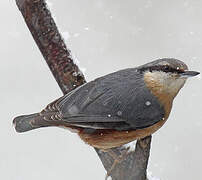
x=157, y=88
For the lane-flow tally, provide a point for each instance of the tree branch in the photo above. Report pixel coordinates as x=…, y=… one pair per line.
x=68, y=76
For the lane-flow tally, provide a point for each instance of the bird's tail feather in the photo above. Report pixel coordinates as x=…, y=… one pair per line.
x=33, y=121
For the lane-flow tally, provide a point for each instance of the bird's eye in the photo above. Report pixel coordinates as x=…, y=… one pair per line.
x=166, y=68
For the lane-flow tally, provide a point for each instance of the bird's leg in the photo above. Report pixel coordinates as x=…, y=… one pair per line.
x=117, y=159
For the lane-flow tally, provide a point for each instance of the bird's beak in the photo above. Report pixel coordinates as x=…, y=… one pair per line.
x=189, y=73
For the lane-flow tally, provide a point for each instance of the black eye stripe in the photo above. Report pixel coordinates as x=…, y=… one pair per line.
x=164, y=68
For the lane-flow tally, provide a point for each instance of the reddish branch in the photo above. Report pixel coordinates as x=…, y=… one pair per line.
x=68, y=76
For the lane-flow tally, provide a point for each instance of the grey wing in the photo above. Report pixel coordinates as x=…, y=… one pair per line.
x=118, y=101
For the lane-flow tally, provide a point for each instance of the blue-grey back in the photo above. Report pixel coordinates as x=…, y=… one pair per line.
x=118, y=100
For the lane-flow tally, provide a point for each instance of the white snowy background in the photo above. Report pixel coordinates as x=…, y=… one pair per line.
x=105, y=36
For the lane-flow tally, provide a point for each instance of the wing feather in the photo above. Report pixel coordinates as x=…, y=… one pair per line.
x=115, y=101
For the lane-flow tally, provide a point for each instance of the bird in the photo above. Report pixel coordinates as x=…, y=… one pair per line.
x=117, y=108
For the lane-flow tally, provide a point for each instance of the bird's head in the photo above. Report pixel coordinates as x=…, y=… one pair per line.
x=166, y=76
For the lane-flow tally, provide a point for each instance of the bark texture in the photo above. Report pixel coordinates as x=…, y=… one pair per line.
x=68, y=76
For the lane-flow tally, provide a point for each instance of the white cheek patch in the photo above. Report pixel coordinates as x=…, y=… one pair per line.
x=169, y=82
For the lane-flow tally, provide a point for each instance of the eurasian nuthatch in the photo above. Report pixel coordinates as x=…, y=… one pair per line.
x=117, y=108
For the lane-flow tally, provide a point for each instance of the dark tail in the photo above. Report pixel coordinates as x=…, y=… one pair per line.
x=33, y=121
